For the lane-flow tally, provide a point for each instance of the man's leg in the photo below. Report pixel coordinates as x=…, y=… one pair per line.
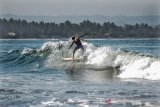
x=82, y=48
x=76, y=48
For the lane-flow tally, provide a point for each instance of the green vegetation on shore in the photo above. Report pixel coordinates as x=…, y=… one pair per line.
x=22, y=29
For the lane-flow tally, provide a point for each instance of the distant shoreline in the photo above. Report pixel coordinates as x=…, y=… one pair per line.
x=21, y=29
x=117, y=19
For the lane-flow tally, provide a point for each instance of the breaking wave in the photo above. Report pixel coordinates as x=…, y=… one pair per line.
x=51, y=54
x=130, y=64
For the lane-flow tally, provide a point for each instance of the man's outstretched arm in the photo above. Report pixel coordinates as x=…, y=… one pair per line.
x=71, y=45
x=83, y=35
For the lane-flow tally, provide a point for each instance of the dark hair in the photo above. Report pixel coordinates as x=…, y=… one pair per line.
x=73, y=38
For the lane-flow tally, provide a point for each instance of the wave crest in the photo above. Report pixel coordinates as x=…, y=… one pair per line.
x=51, y=54
x=131, y=65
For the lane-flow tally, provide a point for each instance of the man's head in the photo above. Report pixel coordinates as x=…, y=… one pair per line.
x=73, y=37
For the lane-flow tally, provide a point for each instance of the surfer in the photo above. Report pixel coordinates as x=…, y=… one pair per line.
x=77, y=41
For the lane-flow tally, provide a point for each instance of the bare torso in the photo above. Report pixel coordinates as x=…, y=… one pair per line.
x=77, y=41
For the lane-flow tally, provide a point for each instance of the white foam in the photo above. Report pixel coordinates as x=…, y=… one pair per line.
x=132, y=102
x=27, y=50
x=99, y=57
x=53, y=102
x=53, y=45
x=141, y=68
x=132, y=65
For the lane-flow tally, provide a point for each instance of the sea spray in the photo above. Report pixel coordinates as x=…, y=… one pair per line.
x=130, y=64
x=101, y=57
x=142, y=68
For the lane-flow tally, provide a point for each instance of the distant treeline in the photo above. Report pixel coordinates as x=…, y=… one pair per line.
x=22, y=29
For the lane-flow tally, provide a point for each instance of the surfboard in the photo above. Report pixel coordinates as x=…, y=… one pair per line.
x=71, y=59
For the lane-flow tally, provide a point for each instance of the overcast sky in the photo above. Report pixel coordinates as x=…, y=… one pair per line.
x=80, y=7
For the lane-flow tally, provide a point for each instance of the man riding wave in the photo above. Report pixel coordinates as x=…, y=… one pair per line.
x=77, y=41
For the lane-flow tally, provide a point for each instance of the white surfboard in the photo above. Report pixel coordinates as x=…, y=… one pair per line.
x=71, y=59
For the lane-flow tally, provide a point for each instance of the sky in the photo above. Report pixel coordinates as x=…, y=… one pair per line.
x=80, y=7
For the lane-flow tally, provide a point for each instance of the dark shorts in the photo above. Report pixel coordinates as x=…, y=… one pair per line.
x=78, y=47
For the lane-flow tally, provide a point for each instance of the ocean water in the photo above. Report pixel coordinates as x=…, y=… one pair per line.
x=111, y=73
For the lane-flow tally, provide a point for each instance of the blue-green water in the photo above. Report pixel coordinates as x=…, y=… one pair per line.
x=124, y=71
